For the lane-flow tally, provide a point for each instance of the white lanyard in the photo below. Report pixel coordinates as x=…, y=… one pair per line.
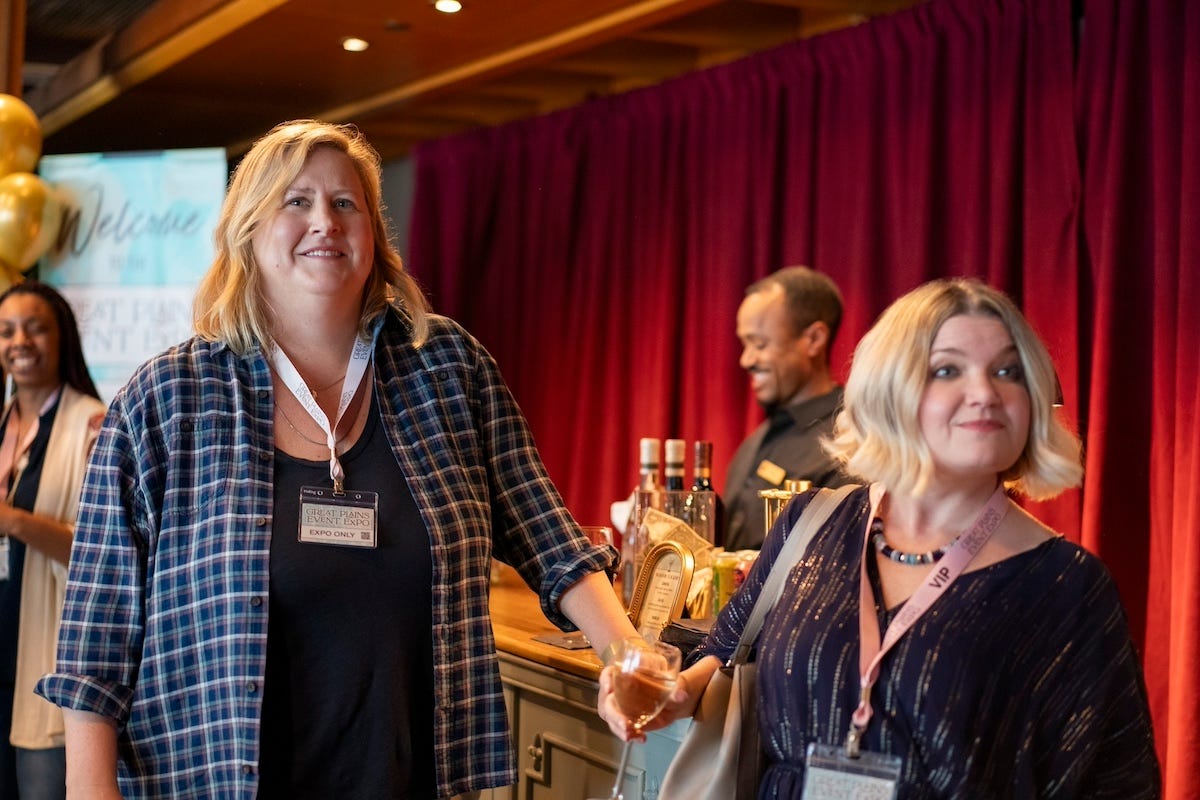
x=937, y=580
x=360, y=357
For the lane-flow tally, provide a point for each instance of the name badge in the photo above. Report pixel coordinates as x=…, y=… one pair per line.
x=830, y=774
x=347, y=519
x=771, y=473
x=4, y=551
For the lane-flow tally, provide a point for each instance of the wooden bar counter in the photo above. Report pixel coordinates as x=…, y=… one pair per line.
x=517, y=617
x=564, y=750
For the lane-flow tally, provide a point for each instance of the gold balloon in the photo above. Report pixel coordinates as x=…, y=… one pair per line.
x=20, y=136
x=9, y=276
x=30, y=216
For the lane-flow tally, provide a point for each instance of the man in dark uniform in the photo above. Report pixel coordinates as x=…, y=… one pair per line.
x=786, y=324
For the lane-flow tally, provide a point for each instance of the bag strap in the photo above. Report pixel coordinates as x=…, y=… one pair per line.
x=811, y=519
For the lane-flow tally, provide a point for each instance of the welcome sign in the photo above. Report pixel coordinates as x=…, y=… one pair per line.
x=136, y=237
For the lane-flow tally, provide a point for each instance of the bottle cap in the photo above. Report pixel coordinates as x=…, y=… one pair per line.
x=649, y=451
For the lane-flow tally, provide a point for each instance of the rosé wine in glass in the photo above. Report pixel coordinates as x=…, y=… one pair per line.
x=646, y=674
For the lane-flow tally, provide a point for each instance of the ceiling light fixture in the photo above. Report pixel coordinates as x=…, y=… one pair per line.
x=355, y=45
x=448, y=6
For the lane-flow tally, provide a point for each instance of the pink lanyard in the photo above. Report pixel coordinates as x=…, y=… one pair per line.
x=939, y=578
x=10, y=450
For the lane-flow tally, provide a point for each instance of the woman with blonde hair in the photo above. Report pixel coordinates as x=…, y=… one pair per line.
x=935, y=636
x=280, y=583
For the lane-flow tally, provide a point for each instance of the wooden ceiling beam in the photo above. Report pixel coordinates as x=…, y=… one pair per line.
x=569, y=40
x=12, y=46
x=728, y=27
x=814, y=22
x=471, y=110
x=410, y=129
x=549, y=91
x=867, y=7
x=628, y=58
x=167, y=33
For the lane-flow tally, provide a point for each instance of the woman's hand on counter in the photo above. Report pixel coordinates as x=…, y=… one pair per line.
x=684, y=700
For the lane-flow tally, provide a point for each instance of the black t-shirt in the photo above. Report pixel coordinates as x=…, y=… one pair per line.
x=348, y=701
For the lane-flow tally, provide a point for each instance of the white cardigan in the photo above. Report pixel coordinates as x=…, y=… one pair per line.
x=37, y=723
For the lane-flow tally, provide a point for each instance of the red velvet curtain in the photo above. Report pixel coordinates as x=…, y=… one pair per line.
x=1139, y=132
x=600, y=253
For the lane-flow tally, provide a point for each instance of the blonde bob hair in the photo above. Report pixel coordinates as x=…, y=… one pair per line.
x=877, y=434
x=229, y=305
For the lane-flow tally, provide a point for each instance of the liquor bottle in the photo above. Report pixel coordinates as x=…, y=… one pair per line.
x=702, y=467
x=674, y=471
x=675, y=500
x=647, y=494
x=704, y=517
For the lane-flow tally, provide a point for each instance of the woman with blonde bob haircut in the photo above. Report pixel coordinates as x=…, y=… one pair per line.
x=288, y=531
x=877, y=435
x=934, y=635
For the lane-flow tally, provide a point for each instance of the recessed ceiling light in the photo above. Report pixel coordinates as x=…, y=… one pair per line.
x=448, y=6
x=354, y=44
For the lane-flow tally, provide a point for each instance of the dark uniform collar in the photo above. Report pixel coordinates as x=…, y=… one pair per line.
x=806, y=413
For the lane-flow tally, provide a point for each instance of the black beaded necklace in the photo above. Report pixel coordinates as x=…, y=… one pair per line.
x=880, y=542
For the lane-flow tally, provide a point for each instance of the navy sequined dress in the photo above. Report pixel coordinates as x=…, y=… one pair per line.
x=1019, y=682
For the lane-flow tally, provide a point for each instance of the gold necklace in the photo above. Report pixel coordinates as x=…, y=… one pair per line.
x=330, y=386
x=300, y=433
x=296, y=430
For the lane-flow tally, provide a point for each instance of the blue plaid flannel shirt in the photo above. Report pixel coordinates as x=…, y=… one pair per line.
x=165, y=624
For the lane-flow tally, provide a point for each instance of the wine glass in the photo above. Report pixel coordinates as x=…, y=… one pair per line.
x=646, y=674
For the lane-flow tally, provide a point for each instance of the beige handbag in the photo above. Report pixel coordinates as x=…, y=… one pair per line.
x=720, y=758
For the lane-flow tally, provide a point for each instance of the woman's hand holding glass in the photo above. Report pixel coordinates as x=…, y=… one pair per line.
x=681, y=704
x=639, y=682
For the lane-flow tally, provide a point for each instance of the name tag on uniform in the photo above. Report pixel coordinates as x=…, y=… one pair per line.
x=829, y=774
x=771, y=473
x=4, y=551
x=348, y=519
